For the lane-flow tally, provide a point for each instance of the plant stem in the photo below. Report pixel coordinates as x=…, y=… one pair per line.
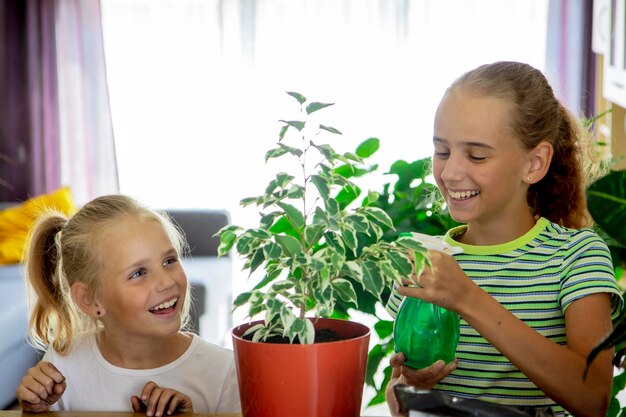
x=303, y=305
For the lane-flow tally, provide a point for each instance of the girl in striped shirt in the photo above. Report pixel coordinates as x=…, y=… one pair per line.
x=534, y=285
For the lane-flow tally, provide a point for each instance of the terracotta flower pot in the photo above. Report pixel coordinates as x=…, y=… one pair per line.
x=316, y=380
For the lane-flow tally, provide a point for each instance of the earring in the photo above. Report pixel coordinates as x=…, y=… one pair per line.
x=530, y=178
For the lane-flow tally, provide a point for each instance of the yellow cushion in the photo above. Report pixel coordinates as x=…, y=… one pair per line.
x=15, y=222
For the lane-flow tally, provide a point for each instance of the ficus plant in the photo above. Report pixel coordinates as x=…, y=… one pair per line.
x=313, y=245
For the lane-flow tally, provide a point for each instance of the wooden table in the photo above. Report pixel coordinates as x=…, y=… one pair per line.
x=19, y=413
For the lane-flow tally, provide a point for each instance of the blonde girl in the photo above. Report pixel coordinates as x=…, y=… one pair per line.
x=111, y=300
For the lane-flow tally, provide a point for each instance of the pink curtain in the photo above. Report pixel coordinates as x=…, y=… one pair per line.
x=54, y=107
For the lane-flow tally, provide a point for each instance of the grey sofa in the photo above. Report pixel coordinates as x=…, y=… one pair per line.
x=210, y=279
x=16, y=355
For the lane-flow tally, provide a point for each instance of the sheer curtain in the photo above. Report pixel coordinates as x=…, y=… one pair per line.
x=197, y=86
x=55, y=125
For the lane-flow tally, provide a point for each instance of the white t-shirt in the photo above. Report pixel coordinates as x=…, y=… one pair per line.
x=205, y=372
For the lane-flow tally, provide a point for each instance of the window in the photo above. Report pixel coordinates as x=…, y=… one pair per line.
x=197, y=86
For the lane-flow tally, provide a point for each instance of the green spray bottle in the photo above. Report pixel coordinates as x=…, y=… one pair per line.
x=423, y=331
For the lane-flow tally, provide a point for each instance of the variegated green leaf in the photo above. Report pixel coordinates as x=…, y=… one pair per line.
x=258, y=234
x=353, y=270
x=268, y=219
x=274, y=153
x=345, y=290
x=349, y=238
x=227, y=240
x=272, y=251
x=294, y=215
x=243, y=244
x=289, y=244
x=312, y=233
x=256, y=260
x=327, y=151
x=290, y=149
x=390, y=274
x=242, y=298
x=332, y=241
x=378, y=215
x=330, y=129
x=337, y=259
x=253, y=329
x=316, y=265
x=283, y=179
x=228, y=228
x=352, y=157
x=273, y=309
x=283, y=131
x=296, y=191
x=332, y=207
x=373, y=281
x=282, y=285
x=247, y=201
x=308, y=336
x=298, y=326
x=358, y=222
x=301, y=99
x=412, y=243
x=315, y=106
x=322, y=186
x=401, y=263
x=297, y=124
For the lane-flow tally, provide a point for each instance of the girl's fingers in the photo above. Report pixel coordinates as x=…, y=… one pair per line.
x=161, y=401
x=34, y=408
x=173, y=404
x=164, y=401
x=137, y=405
x=146, y=392
x=57, y=392
x=150, y=397
x=38, y=382
x=49, y=370
x=27, y=393
x=179, y=402
x=168, y=402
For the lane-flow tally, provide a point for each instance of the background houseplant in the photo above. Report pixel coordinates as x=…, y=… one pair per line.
x=313, y=248
x=607, y=205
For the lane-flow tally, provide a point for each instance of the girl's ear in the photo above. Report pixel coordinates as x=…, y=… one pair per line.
x=539, y=162
x=86, y=301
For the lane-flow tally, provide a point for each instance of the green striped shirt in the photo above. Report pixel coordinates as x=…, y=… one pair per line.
x=536, y=277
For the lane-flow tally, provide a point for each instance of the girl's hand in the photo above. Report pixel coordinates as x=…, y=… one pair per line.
x=425, y=378
x=157, y=401
x=41, y=387
x=443, y=283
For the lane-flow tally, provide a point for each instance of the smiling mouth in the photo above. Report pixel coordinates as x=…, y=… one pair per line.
x=165, y=307
x=463, y=195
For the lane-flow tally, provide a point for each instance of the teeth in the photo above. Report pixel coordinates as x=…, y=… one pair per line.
x=459, y=195
x=164, y=305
